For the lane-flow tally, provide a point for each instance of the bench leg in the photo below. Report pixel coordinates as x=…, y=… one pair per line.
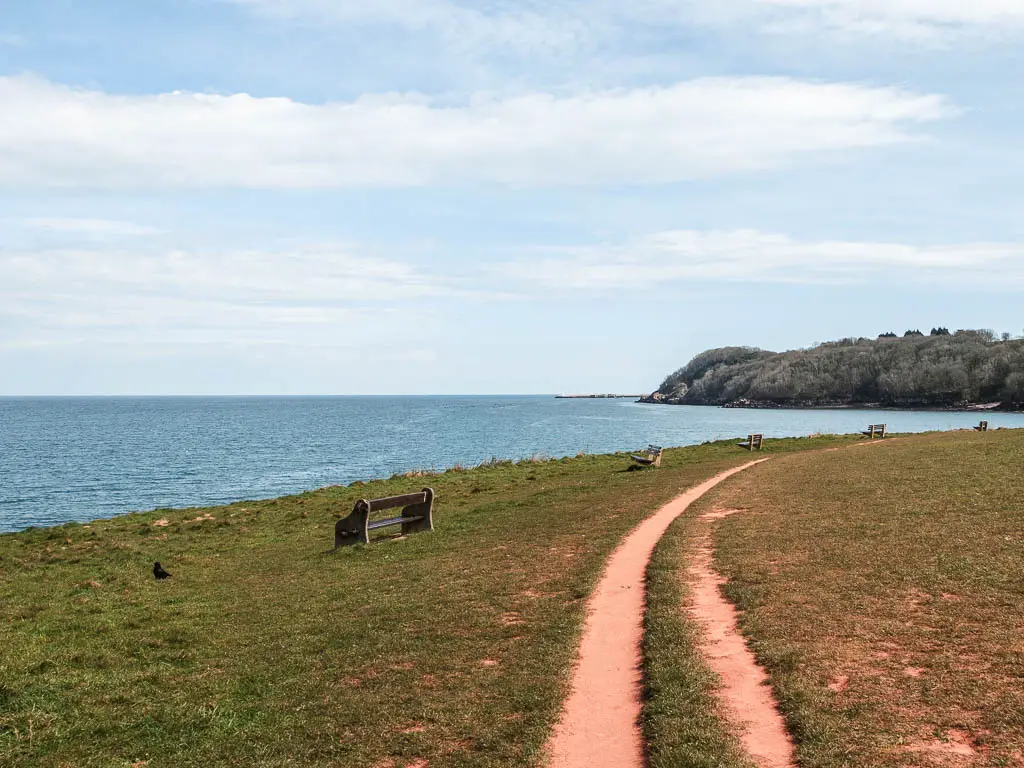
x=352, y=529
x=424, y=511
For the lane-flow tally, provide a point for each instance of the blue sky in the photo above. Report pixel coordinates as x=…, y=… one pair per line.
x=443, y=196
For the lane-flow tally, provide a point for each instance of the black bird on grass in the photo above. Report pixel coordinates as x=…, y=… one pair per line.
x=159, y=572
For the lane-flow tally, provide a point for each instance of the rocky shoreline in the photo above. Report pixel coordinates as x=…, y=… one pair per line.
x=658, y=399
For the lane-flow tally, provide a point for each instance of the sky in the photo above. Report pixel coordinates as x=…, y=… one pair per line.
x=292, y=197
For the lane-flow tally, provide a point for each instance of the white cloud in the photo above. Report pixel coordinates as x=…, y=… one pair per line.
x=910, y=21
x=59, y=136
x=753, y=256
x=311, y=297
x=92, y=228
x=903, y=18
x=324, y=298
x=528, y=25
x=566, y=26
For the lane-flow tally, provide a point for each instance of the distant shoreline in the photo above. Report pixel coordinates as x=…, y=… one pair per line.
x=769, y=405
x=600, y=397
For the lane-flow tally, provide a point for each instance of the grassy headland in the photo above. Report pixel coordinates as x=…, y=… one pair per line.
x=265, y=649
x=941, y=370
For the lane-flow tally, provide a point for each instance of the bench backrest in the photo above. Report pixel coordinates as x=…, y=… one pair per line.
x=654, y=449
x=754, y=442
x=390, y=502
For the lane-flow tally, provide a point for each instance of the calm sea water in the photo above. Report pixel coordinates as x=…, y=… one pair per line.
x=64, y=459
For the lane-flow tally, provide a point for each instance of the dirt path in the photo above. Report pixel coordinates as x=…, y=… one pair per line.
x=748, y=701
x=599, y=727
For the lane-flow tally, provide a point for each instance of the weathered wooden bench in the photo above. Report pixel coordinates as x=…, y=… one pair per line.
x=752, y=443
x=415, y=516
x=982, y=427
x=651, y=459
x=874, y=430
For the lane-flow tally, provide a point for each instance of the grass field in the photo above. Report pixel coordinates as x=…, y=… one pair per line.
x=450, y=648
x=883, y=588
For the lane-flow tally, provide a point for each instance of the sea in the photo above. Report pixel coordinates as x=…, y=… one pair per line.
x=80, y=459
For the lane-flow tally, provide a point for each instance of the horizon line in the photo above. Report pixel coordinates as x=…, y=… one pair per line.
x=355, y=394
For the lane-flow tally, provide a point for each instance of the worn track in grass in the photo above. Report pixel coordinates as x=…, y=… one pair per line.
x=599, y=726
x=748, y=703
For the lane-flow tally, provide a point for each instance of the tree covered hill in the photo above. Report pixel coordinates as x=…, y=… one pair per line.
x=942, y=369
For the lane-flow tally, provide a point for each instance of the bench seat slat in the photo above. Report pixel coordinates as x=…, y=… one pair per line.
x=392, y=521
x=652, y=458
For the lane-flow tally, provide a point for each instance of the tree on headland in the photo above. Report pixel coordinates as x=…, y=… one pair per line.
x=889, y=335
x=941, y=369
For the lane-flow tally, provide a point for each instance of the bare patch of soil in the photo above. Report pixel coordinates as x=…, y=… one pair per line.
x=955, y=744
x=839, y=683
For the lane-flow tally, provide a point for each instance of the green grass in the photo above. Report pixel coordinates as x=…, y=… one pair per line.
x=266, y=649
x=896, y=571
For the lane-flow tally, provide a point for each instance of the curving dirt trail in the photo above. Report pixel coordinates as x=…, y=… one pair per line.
x=599, y=726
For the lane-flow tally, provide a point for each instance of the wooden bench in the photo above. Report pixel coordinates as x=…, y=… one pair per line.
x=874, y=430
x=982, y=427
x=652, y=459
x=753, y=443
x=415, y=516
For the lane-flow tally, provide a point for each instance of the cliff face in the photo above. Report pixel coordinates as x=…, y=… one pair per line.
x=949, y=370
